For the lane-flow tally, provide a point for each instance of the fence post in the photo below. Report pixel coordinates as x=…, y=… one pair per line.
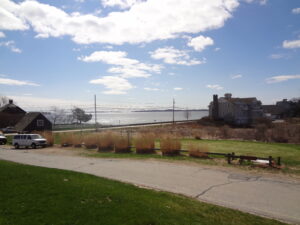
x=229, y=158
x=232, y=156
x=270, y=160
x=279, y=161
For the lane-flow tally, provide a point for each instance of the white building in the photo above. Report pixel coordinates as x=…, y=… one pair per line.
x=240, y=111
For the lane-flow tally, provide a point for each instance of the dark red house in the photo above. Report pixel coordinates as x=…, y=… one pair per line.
x=10, y=115
x=33, y=121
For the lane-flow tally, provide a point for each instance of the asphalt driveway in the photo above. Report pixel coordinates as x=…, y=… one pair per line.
x=268, y=196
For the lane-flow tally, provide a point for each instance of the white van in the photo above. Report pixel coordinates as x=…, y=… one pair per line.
x=29, y=140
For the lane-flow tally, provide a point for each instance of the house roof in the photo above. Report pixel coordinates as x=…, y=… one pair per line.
x=26, y=120
x=243, y=100
x=239, y=100
x=11, y=108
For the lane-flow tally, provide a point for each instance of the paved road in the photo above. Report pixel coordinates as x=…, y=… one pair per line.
x=277, y=198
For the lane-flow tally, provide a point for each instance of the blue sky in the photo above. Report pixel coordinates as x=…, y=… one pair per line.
x=137, y=53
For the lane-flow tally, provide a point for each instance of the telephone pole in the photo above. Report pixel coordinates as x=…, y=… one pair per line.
x=95, y=100
x=173, y=110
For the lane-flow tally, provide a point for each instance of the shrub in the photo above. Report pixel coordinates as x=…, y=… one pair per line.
x=261, y=132
x=77, y=140
x=48, y=135
x=145, y=144
x=170, y=146
x=66, y=139
x=122, y=145
x=198, y=151
x=106, y=141
x=91, y=141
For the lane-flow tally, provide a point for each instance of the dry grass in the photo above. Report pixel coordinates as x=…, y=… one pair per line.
x=48, y=135
x=77, y=140
x=198, y=151
x=145, y=143
x=91, y=141
x=169, y=146
x=106, y=141
x=66, y=139
x=122, y=145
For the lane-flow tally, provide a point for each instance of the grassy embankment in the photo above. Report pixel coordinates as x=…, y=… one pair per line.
x=34, y=195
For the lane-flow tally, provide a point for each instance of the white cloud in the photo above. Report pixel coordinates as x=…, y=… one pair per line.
x=123, y=4
x=11, y=46
x=116, y=85
x=151, y=89
x=6, y=81
x=125, y=67
x=214, y=86
x=281, y=78
x=296, y=11
x=143, y=22
x=171, y=55
x=291, y=44
x=9, y=16
x=237, y=76
x=278, y=56
x=217, y=49
x=178, y=89
x=2, y=35
x=262, y=2
x=200, y=43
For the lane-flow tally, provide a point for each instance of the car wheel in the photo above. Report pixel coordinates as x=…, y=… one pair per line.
x=1, y=143
x=33, y=146
x=17, y=146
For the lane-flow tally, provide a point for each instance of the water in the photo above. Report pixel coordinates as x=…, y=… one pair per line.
x=121, y=118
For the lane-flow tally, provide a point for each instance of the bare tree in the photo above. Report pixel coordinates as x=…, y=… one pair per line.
x=3, y=100
x=56, y=115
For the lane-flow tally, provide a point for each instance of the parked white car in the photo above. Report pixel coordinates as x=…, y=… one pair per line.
x=29, y=140
x=3, y=139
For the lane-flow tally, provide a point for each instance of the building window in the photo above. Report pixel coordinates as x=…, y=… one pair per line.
x=40, y=123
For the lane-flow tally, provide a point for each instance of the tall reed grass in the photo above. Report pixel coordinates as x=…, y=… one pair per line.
x=122, y=145
x=145, y=143
x=198, y=151
x=170, y=146
x=48, y=135
x=106, y=141
x=66, y=139
x=91, y=141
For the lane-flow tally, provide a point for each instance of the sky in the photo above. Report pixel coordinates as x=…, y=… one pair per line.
x=144, y=53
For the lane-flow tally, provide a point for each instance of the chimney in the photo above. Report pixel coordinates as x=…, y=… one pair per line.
x=215, y=108
x=228, y=96
x=10, y=101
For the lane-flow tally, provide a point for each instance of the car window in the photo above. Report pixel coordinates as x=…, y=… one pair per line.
x=17, y=137
x=36, y=136
x=28, y=137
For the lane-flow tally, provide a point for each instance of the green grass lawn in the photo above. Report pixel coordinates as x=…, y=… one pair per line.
x=289, y=153
x=34, y=195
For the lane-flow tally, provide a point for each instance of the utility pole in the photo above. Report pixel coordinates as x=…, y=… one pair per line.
x=95, y=100
x=173, y=110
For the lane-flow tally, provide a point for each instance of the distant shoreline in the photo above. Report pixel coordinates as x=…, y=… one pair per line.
x=170, y=110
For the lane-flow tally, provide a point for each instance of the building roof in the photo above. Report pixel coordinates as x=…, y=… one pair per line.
x=26, y=120
x=11, y=108
x=240, y=100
